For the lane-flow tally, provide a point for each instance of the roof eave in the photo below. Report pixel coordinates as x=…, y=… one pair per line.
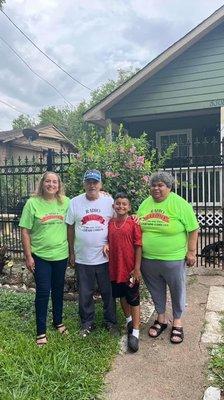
x=39, y=129
x=155, y=65
x=101, y=121
x=11, y=139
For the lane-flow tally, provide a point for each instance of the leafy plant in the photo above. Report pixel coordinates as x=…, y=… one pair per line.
x=124, y=162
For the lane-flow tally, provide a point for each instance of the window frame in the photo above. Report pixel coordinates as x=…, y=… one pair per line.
x=175, y=132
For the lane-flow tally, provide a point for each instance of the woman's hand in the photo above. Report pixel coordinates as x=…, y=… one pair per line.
x=106, y=250
x=192, y=246
x=190, y=258
x=26, y=241
x=135, y=218
x=30, y=263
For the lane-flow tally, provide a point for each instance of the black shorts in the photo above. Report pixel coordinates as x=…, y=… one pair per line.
x=131, y=294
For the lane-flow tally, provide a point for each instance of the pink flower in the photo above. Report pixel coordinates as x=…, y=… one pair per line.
x=145, y=178
x=130, y=165
x=132, y=149
x=140, y=161
x=110, y=174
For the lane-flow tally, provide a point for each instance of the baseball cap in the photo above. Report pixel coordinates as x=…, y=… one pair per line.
x=92, y=174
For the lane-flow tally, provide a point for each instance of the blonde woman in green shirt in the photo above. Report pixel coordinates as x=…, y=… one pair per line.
x=44, y=239
x=169, y=239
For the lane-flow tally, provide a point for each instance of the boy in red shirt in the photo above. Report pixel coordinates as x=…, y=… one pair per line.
x=124, y=251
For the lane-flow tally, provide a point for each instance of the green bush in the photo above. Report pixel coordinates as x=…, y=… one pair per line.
x=125, y=164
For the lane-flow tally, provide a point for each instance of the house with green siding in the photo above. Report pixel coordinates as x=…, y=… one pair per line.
x=179, y=98
x=180, y=93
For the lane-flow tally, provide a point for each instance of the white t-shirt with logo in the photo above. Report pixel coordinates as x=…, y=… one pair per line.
x=91, y=219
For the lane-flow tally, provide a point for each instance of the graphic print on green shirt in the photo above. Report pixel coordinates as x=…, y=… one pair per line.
x=48, y=231
x=165, y=226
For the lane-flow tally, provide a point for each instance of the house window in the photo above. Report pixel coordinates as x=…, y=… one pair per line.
x=182, y=137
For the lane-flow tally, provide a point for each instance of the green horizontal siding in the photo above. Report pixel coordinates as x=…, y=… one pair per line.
x=195, y=80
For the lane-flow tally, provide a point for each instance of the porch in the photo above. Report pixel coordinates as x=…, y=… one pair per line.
x=202, y=186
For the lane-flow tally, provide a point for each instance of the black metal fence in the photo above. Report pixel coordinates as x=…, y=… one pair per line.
x=18, y=180
x=198, y=179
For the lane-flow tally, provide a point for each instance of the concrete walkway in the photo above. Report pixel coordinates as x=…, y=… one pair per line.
x=161, y=370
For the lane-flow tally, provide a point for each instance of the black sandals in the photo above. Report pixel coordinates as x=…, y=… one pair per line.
x=158, y=327
x=178, y=333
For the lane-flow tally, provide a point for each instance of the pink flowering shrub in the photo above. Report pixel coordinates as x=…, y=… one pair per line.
x=125, y=163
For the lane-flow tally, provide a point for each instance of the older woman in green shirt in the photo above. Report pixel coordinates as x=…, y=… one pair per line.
x=44, y=238
x=170, y=231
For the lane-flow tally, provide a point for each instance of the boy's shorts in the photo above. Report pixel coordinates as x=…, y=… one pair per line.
x=131, y=294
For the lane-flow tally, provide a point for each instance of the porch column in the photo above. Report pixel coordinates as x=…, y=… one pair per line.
x=222, y=164
x=112, y=127
x=109, y=130
x=222, y=129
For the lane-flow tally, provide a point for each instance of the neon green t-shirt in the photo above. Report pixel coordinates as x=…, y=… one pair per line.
x=165, y=226
x=48, y=231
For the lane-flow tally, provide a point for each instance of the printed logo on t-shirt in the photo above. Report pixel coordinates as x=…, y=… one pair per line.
x=92, y=217
x=93, y=221
x=52, y=217
x=156, y=217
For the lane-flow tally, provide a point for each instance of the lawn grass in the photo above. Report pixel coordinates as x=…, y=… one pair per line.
x=217, y=362
x=67, y=368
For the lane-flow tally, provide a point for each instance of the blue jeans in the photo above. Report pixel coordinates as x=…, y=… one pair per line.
x=49, y=277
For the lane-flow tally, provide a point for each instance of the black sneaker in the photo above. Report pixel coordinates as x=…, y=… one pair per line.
x=129, y=327
x=86, y=331
x=112, y=328
x=133, y=343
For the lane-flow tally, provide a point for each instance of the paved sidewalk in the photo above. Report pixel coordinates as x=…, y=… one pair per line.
x=161, y=370
x=214, y=311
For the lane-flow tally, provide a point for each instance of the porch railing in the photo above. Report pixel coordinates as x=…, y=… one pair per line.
x=201, y=186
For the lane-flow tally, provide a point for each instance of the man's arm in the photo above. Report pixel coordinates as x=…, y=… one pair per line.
x=71, y=240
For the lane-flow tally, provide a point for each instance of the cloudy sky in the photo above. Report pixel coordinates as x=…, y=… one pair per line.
x=91, y=39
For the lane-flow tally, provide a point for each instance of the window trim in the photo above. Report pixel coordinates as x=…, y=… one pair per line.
x=173, y=132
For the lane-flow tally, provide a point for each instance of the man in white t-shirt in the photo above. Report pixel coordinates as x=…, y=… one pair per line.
x=87, y=218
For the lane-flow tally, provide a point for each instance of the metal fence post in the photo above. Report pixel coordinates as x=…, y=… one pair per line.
x=222, y=194
x=49, y=159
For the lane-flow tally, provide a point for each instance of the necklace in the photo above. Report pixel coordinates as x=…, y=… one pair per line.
x=120, y=226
